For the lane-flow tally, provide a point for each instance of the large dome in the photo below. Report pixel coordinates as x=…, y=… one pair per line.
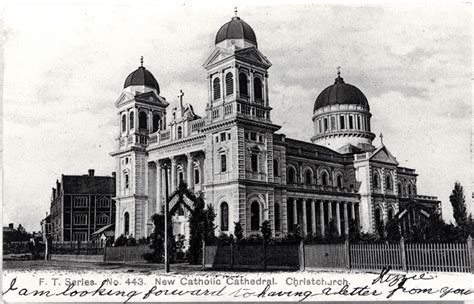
x=142, y=77
x=236, y=28
x=340, y=93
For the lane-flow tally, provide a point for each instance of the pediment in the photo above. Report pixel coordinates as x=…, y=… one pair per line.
x=123, y=98
x=253, y=55
x=217, y=55
x=383, y=155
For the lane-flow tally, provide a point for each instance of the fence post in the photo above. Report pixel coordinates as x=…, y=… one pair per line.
x=348, y=257
x=203, y=254
x=301, y=255
x=105, y=252
x=403, y=255
x=264, y=255
x=470, y=252
x=231, y=255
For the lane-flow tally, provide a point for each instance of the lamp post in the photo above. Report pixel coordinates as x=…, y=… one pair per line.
x=167, y=259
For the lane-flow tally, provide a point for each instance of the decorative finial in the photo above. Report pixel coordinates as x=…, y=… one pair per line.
x=235, y=11
x=141, y=61
x=338, y=71
x=381, y=138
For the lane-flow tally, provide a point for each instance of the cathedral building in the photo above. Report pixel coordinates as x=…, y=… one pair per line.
x=247, y=171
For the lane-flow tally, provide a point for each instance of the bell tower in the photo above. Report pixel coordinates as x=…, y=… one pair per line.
x=141, y=116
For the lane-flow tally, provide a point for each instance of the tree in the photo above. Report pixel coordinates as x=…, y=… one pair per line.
x=201, y=228
x=458, y=203
x=157, y=239
x=238, y=231
x=266, y=230
x=332, y=234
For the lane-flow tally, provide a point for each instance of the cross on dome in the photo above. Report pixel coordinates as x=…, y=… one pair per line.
x=141, y=61
x=235, y=11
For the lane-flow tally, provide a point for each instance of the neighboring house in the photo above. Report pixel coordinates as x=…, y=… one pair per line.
x=81, y=205
x=247, y=171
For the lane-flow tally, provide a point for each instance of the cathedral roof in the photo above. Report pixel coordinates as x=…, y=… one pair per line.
x=236, y=28
x=140, y=77
x=340, y=93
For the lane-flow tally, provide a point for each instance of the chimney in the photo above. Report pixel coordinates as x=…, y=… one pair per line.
x=91, y=172
x=114, y=175
x=54, y=193
x=10, y=225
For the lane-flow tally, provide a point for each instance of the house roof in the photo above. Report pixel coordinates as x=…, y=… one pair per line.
x=78, y=184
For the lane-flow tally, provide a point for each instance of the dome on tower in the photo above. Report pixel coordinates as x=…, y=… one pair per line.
x=236, y=28
x=340, y=93
x=142, y=77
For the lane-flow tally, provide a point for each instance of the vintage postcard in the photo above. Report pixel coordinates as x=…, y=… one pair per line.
x=229, y=152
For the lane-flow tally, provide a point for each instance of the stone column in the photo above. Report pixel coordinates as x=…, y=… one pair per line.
x=251, y=95
x=353, y=216
x=338, y=218
x=295, y=212
x=158, y=187
x=346, y=220
x=189, y=176
x=222, y=85
x=173, y=174
x=305, y=224
x=313, y=216
x=321, y=217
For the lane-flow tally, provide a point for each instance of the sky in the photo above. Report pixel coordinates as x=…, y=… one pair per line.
x=64, y=68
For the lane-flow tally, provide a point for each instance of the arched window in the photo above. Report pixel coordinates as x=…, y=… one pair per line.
x=324, y=178
x=180, y=132
x=291, y=176
x=224, y=217
x=308, y=177
x=399, y=188
x=132, y=120
x=126, y=223
x=229, y=84
x=217, y=88
x=391, y=213
x=156, y=123
x=180, y=210
x=277, y=217
x=388, y=182
x=255, y=216
x=124, y=123
x=339, y=181
x=376, y=180
x=409, y=190
x=143, y=121
x=257, y=88
x=243, y=85
x=275, y=167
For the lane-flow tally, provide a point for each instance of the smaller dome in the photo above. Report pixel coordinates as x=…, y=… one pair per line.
x=236, y=28
x=340, y=93
x=142, y=77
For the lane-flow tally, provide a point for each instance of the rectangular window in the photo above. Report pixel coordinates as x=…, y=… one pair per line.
x=79, y=236
x=196, y=176
x=253, y=136
x=80, y=201
x=319, y=124
x=351, y=123
x=223, y=163
x=333, y=123
x=260, y=138
x=79, y=219
x=358, y=122
x=127, y=181
x=342, y=122
x=223, y=136
x=254, y=162
x=228, y=136
x=102, y=219
x=325, y=124
x=217, y=139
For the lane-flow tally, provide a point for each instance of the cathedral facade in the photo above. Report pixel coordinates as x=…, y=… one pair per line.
x=247, y=171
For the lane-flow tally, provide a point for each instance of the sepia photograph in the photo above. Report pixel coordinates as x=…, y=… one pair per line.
x=238, y=151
